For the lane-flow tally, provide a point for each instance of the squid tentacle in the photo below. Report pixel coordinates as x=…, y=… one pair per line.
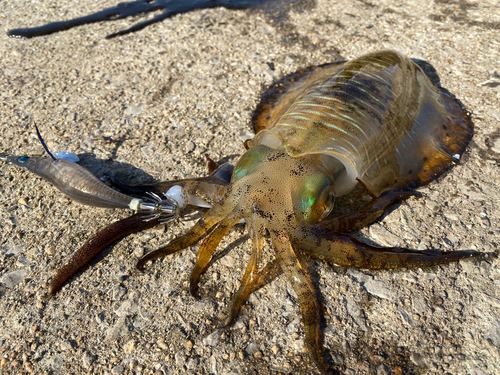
x=367, y=215
x=268, y=274
x=249, y=278
x=202, y=227
x=344, y=250
x=312, y=316
x=207, y=248
x=212, y=188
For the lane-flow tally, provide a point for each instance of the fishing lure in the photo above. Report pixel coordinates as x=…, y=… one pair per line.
x=381, y=120
x=83, y=187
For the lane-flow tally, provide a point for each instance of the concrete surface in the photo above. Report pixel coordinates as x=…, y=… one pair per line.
x=146, y=107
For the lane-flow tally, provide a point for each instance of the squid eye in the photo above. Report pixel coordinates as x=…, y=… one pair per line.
x=316, y=199
x=327, y=199
x=22, y=159
x=250, y=162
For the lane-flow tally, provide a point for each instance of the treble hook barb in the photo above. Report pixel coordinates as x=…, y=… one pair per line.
x=165, y=209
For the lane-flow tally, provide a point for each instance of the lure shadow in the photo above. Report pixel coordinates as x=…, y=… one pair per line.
x=109, y=170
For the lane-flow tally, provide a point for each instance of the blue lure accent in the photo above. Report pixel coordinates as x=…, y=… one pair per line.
x=43, y=143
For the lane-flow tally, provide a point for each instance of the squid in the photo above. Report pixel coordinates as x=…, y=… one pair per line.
x=381, y=120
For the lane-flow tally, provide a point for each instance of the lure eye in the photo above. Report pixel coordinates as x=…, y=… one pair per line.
x=22, y=159
x=315, y=199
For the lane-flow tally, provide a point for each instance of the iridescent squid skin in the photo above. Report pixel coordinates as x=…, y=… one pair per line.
x=381, y=120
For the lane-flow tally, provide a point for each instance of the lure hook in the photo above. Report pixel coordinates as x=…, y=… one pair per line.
x=165, y=209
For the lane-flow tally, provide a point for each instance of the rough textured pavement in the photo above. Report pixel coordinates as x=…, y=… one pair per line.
x=147, y=106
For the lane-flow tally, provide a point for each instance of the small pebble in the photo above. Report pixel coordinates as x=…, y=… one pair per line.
x=417, y=359
x=376, y=358
x=66, y=345
x=188, y=345
x=129, y=347
x=191, y=364
x=28, y=366
x=117, y=370
x=337, y=359
x=363, y=366
x=212, y=339
x=132, y=364
x=87, y=360
x=162, y=344
x=118, y=292
x=190, y=146
x=180, y=359
x=382, y=370
x=13, y=278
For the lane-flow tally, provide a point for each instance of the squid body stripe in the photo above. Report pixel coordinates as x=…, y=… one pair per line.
x=374, y=63
x=345, y=150
x=367, y=155
x=373, y=76
x=291, y=125
x=353, y=147
x=336, y=148
x=340, y=116
x=340, y=84
x=298, y=116
x=321, y=114
x=397, y=152
x=410, y=136
x=384, y=61
x=357, y=99
x=388, y=142
x=367, y=92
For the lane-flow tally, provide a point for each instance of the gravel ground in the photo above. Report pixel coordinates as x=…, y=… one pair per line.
x=146, y=107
